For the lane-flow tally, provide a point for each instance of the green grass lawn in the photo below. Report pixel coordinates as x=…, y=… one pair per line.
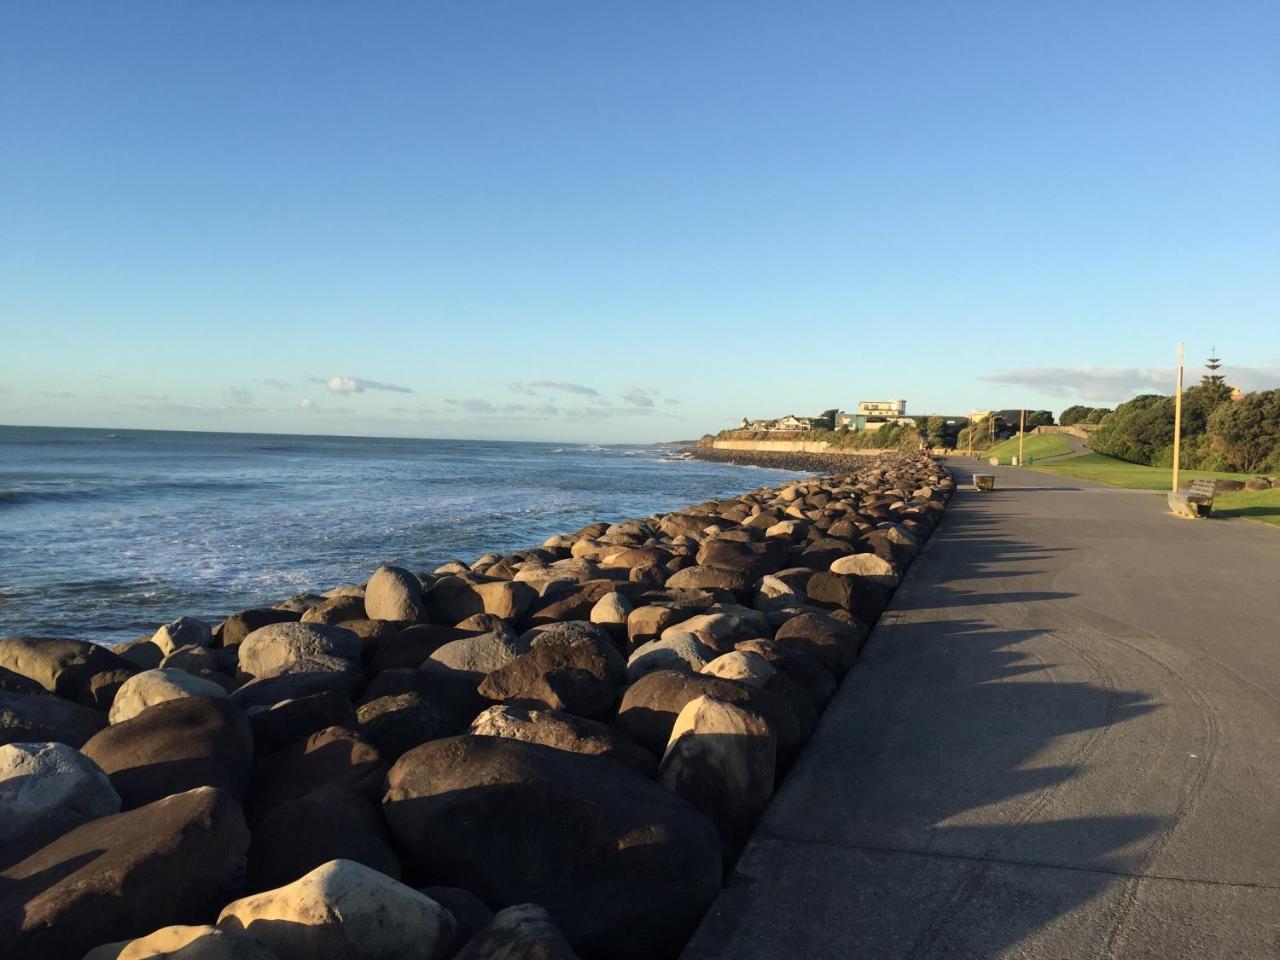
x=1262, y=505
x=1037, y=445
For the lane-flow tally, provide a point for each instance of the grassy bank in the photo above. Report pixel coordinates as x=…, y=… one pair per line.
x=1261, y=505
x=1035, y=447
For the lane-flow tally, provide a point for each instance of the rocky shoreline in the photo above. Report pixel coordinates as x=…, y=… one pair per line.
x=554, y=753
x=779, y=460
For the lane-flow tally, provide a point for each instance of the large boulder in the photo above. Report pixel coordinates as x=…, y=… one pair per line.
x=333, y=755
x=721, y=758
x=393, y=594
x=675, y=651
x=175, y=746
x=478, y=656
x=564, y=731
x=700, y=577
x=869, y=567
x=522, y=932
x=83, y=672
x=236, y=627
x=650, y=706
x=184, y=942
x=151, y=687
x=48, y=788
x=297, y=647
x=808, y=673
x=470, y=915
x=282, y=723
x=862, y=597
x=183, y=632
x=743, y=666
x=623, y=866
x=397, y=722
x=343, y=909
x=268, y=691
x=337, y=609
x=333, y=822
x=40, y=717
x=832, y=643
x=573, y=677
x=119, y=877
x=452, y=599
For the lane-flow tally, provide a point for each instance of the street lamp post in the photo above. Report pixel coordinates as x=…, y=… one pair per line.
x=1022, y=432
x=1177, y=423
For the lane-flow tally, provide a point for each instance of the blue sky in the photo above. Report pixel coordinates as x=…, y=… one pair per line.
x=626, y=222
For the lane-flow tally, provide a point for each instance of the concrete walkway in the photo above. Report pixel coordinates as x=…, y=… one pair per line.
x=1062, y=742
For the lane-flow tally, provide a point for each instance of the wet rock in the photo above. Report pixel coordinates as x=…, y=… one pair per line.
x=563, y=731
x=343, y=909
x=393, y=594
x=39, y=717
x=721, y=758
x=150, y=687
x=175, y=746
x=119, y=877
x=48, y=788
x=623, y=866
x=76, y=670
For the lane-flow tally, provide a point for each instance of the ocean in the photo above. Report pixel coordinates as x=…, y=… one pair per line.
x=105, y=535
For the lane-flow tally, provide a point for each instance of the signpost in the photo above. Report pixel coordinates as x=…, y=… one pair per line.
x=1177, y=423
x=1022, y=432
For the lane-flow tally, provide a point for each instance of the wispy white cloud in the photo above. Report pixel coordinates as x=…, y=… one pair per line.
x=638, y=397
x=356, y=385
x=1117, y=384
x=239, y=397
x=563, y=386
x=57, y=394
x=275, y=384
x=311, y=406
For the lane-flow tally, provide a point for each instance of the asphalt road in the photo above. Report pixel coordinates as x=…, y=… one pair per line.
x=1062, y=742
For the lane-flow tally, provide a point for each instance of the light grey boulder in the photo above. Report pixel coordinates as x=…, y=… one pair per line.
x=393, y=594
x=868, y=566
x=611, y=608
x=183, y=632
x=150, y=687
x=743, y=666
x=722, y=759
x=49, y=788
x=677, y=650
x=343, y=909
x=184, y=942
x=292, y=647
x=478, y=656
x=564, y=731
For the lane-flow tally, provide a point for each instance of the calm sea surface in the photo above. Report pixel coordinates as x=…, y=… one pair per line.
x=105, y=536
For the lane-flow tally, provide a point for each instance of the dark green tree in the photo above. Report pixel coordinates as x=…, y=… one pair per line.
x=1247, y=431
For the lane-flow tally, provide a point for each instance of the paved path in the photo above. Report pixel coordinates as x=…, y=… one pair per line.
x=1062, y=742
x=1078, y=449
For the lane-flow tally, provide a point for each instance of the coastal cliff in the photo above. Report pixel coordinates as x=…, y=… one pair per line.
x=580, y=736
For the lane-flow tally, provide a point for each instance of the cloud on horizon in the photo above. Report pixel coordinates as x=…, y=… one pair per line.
x=1117, y=384
x=346, y=385
x=563, y=386
x=638, y=397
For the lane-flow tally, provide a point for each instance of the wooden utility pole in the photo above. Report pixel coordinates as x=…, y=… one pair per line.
x=1177, y=423
x=1022, y=432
